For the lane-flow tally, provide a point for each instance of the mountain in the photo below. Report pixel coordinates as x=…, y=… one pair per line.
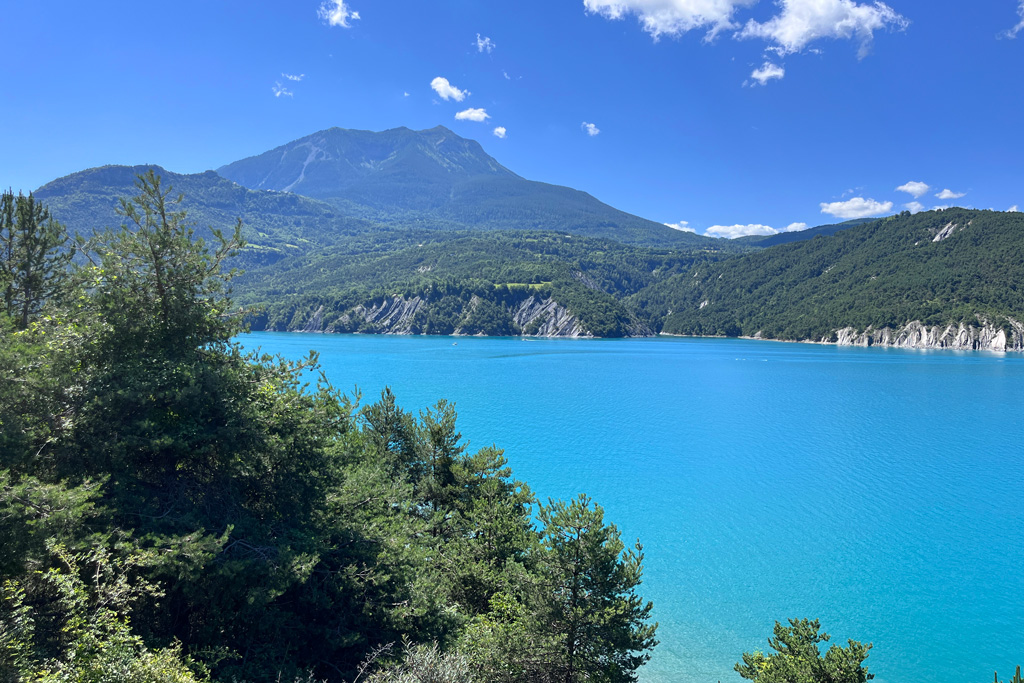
x=765, y=241
x=435, y=179
x=275, y=224
x=941, y=278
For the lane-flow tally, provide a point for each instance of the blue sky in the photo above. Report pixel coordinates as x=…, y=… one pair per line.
x=729, y=115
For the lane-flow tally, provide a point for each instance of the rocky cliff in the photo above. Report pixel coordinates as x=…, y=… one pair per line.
x=984, y=336
x=532, y=316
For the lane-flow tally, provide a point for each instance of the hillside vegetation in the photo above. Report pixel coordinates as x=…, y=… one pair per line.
x=176, y=510
x=938, y=267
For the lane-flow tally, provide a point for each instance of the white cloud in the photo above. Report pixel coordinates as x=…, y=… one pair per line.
x=281, y=91
x=500, y=132
x=804, y=21
x=914, y=188
x=857, y=207
x=590, y=129
x=1014, y=209
x=337, y=13
x=447, y=91
x=734, y=231
x=914, y=207
x=293, y=77
x=949, y=194
x=505, y=74
x=682, y=226
x=405, y=94
x=484, y=44
x=1012, y=33
x=478, y=115
x=767, y=72
x=672, y=17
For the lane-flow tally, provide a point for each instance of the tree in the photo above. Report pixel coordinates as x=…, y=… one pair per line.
x=33, y=256
x=592, y=609
x=162, y=288
x=797, y=658
x=1016, y=677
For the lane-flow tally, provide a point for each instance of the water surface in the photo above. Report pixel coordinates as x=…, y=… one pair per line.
x=879, y=490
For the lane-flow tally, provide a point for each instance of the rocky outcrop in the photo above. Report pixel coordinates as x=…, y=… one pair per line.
x=315, y=322
x=538, y=317
x=534, y=316
x=982, y=337
x=393, y=315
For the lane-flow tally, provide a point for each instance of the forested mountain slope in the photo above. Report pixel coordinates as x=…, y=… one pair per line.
x=500, y=283
x=438, y=180
x=275, y=224
x=957, y=273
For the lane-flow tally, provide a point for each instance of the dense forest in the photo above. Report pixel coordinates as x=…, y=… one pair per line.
x=174, y=509
x=938, y=267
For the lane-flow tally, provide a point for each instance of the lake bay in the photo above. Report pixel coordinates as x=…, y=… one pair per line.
x=879, y=490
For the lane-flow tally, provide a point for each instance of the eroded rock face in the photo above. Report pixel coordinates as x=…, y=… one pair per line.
x=394, y=315
x=534, y=316
x=550, y=319
x=982, y=337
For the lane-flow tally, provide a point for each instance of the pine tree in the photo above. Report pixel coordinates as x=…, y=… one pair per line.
x=34, y=257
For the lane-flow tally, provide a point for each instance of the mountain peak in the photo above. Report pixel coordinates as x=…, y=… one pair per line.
x=338, y=162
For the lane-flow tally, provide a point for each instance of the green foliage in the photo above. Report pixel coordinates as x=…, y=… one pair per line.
x=172, y=508
x=33, y=258
x=427, y=663
x=797, y=658
x=1016, y=677
x=592, y=605
x=881, y=274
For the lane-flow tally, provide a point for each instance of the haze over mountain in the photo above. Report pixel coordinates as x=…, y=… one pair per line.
x=436, y=179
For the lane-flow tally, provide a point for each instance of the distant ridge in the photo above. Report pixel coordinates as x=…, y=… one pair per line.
x=436, y=179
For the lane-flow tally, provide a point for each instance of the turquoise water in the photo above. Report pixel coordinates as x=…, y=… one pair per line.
x=881, y=491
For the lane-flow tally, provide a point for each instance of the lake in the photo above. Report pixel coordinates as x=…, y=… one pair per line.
x=879, y=490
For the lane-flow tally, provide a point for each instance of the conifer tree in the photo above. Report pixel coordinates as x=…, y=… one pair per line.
x=34, y=256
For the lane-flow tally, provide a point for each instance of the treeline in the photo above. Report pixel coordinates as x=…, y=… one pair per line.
x=174, y=509
x=938, y=267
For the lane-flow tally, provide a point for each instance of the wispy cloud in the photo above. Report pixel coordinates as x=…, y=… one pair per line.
x=500, y=132
x=767, y=72
x=857, y=207
x=590, y=129
x=1014, y=209
x=914, y=188
x=337, y=13
x=293, y=77
x=1012, y=33
x=484, y=44
x=478, y=115
x=949, y=194
x=447, y=91
x=682, y=226
x=281, y=91
x=914, y=207
x=672, y=17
